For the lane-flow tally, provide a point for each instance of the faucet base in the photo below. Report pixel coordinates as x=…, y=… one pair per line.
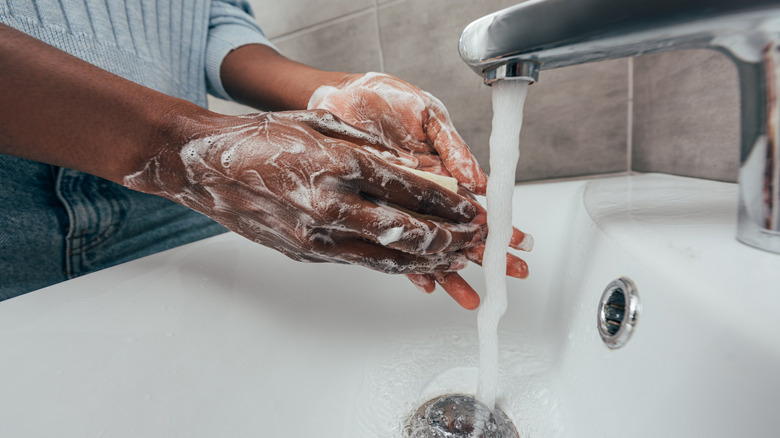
x=758, y=223
x=752, y=234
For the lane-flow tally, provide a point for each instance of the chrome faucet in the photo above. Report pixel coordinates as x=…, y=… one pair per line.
x=517, y=42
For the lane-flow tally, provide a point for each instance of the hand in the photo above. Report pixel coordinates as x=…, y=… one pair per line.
x=417, y=127
x=316, y=189
x=412, y=121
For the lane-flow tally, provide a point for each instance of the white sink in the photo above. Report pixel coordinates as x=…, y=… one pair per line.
x=227, y=338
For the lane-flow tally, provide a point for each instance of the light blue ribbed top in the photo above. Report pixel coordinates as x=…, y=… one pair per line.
x=173, y=46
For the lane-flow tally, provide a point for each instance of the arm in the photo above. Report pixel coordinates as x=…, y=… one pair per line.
x=258, y=76
x=304, y=183
x=63, y=111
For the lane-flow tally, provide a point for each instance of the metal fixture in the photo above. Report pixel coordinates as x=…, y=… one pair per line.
x=518, y=41
x=524, y=70
x=458, y=416
x=619, y=309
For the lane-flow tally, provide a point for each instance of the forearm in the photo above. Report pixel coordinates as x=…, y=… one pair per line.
x=258, y=76
x=64, y=111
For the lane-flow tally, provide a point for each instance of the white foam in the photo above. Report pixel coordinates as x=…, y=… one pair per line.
x=391, y=235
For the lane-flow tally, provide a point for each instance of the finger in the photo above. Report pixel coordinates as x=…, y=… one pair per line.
x=454, y=152
x=458, y=289
x=466, y=193
x=331, y=126
x=388, y=226
x=424, y=282
x=521, y=240
x=515, y=266
x=431, y=163
x=359, y=251
x=414, y=193
x=325, y=122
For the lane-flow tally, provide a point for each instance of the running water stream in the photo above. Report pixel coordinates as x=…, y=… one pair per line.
x=508, y=99
x=455, y=414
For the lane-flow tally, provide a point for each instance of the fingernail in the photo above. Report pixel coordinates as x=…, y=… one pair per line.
x=422, y=282
x=527, y=244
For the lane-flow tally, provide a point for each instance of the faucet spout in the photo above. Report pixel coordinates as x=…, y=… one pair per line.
x=519, y=69
x=521, y=40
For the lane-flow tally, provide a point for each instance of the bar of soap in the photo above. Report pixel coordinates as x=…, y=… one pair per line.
x=447, y=182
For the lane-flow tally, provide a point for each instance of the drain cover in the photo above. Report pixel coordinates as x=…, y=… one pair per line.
x=458, y=416
x=618, y=312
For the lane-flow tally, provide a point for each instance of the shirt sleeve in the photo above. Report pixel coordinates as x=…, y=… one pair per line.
x=231, y=25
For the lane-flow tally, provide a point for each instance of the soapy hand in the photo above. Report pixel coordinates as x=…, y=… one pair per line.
x=316, y=189
x=413, y=122
x=417, y=127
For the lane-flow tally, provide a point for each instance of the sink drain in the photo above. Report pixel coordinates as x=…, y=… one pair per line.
x=618, y=312
x=458, y=416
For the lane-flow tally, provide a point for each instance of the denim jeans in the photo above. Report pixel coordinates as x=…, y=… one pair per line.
x=57, y=224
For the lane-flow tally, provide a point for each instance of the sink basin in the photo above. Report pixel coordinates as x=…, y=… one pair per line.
x=227, y=338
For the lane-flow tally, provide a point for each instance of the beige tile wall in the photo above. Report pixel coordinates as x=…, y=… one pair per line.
x=686, y=115
x=577, y=119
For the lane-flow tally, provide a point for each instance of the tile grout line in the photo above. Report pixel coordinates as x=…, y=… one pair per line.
x=630, y=117
x=390, y=3
x=380, y=49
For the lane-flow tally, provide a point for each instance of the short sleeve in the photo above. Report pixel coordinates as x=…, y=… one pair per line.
x=231, y=25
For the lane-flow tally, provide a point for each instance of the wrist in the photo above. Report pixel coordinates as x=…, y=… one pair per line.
x=260, y=77
x=325, y=79
x=171, y=123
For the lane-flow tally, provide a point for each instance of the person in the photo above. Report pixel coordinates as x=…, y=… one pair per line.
x=107, y=152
